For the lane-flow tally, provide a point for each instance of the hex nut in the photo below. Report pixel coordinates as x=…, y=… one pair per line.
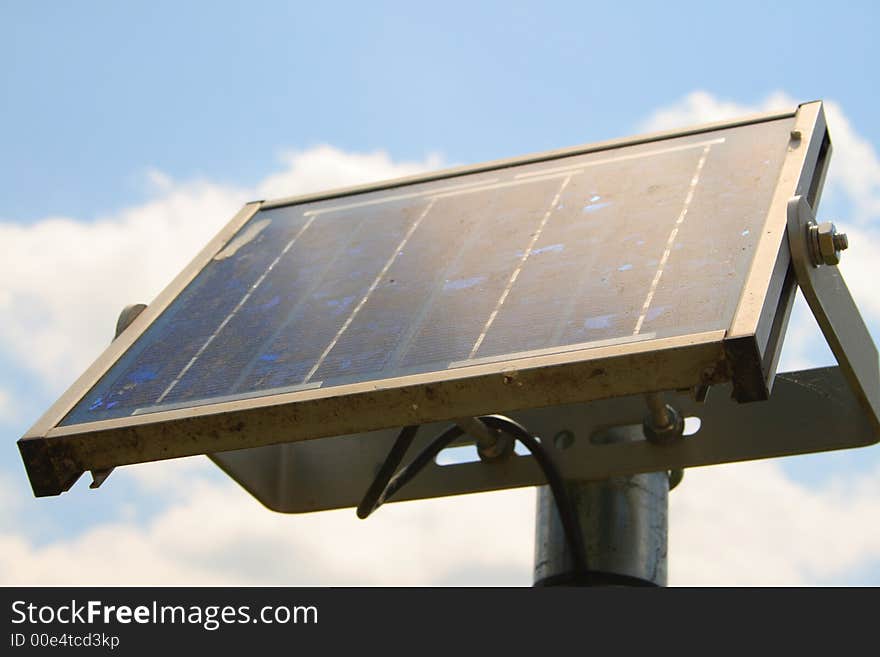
x=667, y=435
x=501, y=450
x=829, y=242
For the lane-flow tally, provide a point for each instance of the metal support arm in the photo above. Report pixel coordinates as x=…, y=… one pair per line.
x=835, y=311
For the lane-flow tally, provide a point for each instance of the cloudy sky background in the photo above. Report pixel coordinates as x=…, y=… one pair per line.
x=131, y=135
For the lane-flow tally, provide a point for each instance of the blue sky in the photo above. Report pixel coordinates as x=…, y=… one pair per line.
x=146, y=124
x=97, y=92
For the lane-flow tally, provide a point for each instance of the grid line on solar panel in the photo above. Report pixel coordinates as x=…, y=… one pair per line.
x=672, y=235
x=235, y=310
x=372, y=287
x=584, y=250
x=519, y=267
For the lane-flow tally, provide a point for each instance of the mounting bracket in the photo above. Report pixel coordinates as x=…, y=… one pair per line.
x=835, y=311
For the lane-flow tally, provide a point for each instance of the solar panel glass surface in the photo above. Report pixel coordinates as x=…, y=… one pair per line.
x=560, y=255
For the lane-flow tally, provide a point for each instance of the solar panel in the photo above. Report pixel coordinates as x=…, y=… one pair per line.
x=561, y=255
x=568, y=276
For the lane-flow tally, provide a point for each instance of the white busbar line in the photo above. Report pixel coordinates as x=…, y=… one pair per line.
x=621, y=158
x=508, y=183
x=397, y=197
x=672, y=235
x=235, y=310
x=370, y=291
x=455, y=190
x=552, y=351
x=522, y=262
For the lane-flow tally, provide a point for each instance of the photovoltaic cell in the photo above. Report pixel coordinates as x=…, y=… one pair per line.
x=648, y=240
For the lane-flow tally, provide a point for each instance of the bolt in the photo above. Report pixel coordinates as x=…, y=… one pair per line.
x=563, y=439
x=826, y=243
x=663, y=425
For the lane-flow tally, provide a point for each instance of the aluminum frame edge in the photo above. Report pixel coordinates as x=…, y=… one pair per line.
x=527, y=159
x=756, y=333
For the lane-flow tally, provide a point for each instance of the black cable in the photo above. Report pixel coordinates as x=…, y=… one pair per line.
x=570, y=524
x=395, y=456
x=418, y=464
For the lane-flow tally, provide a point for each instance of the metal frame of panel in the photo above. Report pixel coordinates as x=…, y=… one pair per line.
x=754, y=339
x=55, y=456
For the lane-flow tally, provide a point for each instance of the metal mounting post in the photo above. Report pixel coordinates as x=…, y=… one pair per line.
x=624, y=521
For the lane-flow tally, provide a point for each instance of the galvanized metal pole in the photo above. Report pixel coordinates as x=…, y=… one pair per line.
x=624, y=521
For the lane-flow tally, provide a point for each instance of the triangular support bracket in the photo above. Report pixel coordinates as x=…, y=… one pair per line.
x=835, y=311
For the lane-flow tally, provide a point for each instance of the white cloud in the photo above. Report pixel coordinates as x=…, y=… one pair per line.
x=749, y=524
x=66, y=280
x=324, y=167
x=744, y=524
x=168, y=479
x=702, y=107
x=216, y=534
x=11, y=497
x=7, y=410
